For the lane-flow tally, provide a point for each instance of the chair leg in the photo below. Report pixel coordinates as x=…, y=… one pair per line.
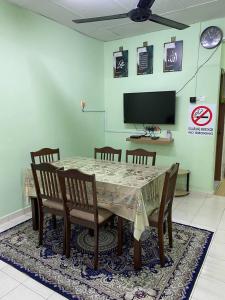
x=68, y=234
x=161, y=245
x=64, y=237
x=54, y=221
x=170, y=235
x=120, y=236
x=41, y=221
x=35, y=212
x=112, y=222
x=164, y=227
x=137, y=254
x=96, y=231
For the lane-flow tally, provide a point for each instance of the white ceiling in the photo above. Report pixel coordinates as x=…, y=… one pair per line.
x=64, y=11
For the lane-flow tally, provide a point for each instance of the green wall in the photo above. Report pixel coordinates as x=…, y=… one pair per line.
x=46, y=69
x=194, y=153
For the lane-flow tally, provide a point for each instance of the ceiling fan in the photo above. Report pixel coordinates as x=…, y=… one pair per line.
x=142, y=13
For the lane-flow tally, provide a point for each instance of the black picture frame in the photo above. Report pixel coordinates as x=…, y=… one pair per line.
x=145, y=60
x=173, y=56
x=120, y=64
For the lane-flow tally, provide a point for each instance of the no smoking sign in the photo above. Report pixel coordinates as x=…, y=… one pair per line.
x=201, y=120
x=201, y=115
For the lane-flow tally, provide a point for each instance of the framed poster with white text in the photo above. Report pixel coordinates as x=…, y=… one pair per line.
x=173, y=56
x=145, y=60
x=120, y=64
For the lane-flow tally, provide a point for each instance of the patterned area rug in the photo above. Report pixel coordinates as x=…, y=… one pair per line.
x=116, y=279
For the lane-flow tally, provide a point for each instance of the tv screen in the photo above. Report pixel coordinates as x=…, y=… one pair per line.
x=150, y=107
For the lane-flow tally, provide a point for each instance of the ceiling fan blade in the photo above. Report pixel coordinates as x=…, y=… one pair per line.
x=145, y=4
x=167, y=22
x=97, y=19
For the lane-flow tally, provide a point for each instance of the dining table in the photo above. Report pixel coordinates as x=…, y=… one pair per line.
x=130, y=191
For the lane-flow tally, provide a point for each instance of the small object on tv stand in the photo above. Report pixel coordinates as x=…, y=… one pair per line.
x=135, y=136
x=154, y=137
x=169, y=134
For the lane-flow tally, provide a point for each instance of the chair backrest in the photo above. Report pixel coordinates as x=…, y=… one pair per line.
x=168, y=192
x=45, y=155
x=108, y=153
x=141, y=156
x=79, y=191
x=46, y=182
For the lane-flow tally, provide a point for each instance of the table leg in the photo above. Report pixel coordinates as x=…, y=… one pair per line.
x=188, y=176
x=137, y=254
x=35, y=217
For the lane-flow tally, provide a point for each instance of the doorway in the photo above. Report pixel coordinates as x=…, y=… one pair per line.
x=220, y=144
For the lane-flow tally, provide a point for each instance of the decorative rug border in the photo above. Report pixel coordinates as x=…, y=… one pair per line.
x=32, y=275
x=188, y=288
x=197, y=269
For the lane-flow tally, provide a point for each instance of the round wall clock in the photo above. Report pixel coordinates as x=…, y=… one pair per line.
x=211, y=37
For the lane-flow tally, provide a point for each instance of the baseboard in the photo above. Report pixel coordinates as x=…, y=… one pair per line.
x=14, y=215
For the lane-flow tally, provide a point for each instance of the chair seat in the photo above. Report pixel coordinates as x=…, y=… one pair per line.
x=103, y=215
x=53, y=204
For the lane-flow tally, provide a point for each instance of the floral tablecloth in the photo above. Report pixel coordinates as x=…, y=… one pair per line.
x=130, y=191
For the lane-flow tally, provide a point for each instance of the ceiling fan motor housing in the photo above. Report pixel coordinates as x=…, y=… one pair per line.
x=139, y=14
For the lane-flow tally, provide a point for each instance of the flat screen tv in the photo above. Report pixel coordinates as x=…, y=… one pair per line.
x=150, y=107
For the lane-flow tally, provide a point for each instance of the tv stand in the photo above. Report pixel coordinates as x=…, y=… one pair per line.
x=148, y=140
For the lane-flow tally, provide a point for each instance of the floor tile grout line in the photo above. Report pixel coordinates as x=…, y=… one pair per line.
x=220, y=219
x=197, y=211
x=11, y=275
x=207, y=253
x=213, y=278
x=36, y=291
x=22, y=283
x=10, y=291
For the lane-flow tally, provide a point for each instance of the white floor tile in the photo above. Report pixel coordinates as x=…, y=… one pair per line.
x=209, y=289
x=222, y=222
x=15, y=274
x=22, y=293
x=4, y=227
x=210, y=214
x=219, y=236
x=7, y=284
x=38, y=288
x=14, y=222
x=18, y=220
x=56, y=296
x=217, y=250
x=177, y=201
x=214, y=268
x=188, y=207
x=2, y=264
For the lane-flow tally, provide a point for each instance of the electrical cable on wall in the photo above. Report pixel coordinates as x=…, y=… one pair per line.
x=198, y=69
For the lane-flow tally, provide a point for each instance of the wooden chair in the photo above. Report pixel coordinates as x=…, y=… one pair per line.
x=48, y=192
x=45, y=155
x=108, y=153
x=140, y=156
x=162, y=216
x=80, y=205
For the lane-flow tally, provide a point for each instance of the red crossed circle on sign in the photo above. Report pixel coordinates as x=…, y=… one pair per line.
x=201, y=115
